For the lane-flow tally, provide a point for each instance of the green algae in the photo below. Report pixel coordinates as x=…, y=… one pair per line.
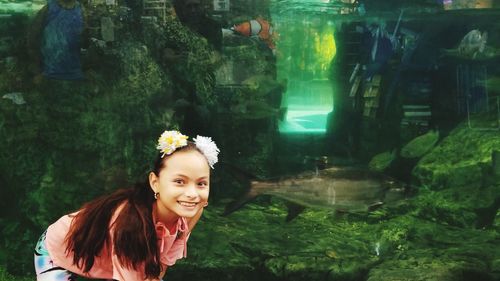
x=382, y=161
x=420, y=145
x=462, y=158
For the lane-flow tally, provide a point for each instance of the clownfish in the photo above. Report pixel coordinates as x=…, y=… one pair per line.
x=258, y=27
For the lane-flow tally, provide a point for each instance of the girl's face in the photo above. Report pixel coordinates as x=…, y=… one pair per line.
x=183, y=185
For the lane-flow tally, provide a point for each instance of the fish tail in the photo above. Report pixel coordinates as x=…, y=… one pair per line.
x=249, y=194
x=240, y=202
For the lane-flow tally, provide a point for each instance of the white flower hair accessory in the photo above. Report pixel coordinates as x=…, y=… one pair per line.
x=208, y=148
x=169, y=141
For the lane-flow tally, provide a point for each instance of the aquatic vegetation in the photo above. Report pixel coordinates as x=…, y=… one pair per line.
x=381, y=161
x=439, y=252
x=441, y=208
x=329, y=247
x=462, y=158
x=141, y=77
x=421, y=145
x=5, y=276
x=197, y=60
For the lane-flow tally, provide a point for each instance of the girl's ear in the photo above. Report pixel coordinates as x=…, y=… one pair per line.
x=153, y=182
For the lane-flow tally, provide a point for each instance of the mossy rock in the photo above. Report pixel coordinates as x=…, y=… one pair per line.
x=440, y=252
x=420, y=145
x=462, y=158
x=429, y=268
x=382, y=161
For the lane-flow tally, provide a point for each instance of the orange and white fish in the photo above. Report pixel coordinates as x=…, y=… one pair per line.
x=258, y=27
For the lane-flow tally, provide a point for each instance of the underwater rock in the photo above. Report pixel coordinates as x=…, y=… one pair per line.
x=262, y=83
x=462, y=158
x=420, y=145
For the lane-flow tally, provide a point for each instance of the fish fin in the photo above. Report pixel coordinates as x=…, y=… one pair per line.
x=294, y=210
x=245, y=178
x=375, y=206
x=240, y=202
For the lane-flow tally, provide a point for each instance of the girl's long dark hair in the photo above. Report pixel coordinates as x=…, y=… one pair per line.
x=134, y=232
x=135, y=240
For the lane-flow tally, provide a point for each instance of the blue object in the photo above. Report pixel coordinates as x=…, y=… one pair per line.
x=60, y=46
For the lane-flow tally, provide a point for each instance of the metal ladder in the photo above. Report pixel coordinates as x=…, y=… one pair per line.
x=156, y=8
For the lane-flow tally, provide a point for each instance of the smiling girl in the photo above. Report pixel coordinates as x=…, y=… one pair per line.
x=136, y=233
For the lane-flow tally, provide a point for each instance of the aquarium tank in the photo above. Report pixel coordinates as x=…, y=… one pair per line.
x=359, y=139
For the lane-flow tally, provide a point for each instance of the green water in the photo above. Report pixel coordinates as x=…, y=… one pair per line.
x=306, y=49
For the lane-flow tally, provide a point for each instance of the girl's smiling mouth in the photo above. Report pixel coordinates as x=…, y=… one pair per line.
x=187, y=204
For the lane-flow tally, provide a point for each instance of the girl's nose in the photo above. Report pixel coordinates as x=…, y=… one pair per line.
x=190, y=191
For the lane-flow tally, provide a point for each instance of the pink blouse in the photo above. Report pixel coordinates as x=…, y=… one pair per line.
x=107, y=265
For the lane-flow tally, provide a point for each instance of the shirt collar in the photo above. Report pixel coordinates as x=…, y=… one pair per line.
x=162, y=231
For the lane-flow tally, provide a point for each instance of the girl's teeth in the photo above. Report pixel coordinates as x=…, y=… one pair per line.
x=187, y=204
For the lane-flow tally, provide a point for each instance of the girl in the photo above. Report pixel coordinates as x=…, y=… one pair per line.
x=136, y=233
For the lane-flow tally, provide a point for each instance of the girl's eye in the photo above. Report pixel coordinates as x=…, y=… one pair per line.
x=179, y=181
x=203, y=184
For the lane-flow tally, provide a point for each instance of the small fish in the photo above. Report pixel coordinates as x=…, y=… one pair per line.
x=258, y=27
x=473, y=43
x=473, y=46
x=16, y=98
x=345, y=189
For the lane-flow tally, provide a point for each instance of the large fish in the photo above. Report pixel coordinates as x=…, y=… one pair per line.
x=346, y=189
